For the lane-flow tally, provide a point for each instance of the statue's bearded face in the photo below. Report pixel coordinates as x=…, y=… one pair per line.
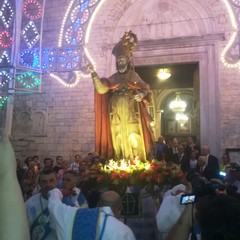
x=122, y=64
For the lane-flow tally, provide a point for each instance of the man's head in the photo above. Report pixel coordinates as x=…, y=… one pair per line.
x=113, y=200
x=47, y=181
x=205, y=150
x=180, y=148
x=219, y=217
x=202, y=161
x=193, y=155
x=77, y=158
x=175, y=142
x=161, y=139
x=65, y=164
x=48, y=163
x=225, y=159
x=70, y=179
x=59, y=160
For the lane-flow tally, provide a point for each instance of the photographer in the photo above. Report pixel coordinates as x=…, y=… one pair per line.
x=185, y=226
x=170, y=209
x=218, y=217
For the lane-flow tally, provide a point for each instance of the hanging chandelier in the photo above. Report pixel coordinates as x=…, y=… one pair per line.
x=181, y=118
x=164, y=74
x=178, y=105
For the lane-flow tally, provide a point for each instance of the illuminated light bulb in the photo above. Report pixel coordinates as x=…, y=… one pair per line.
x=164, y=74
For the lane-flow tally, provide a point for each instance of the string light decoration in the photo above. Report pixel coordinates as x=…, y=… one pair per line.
x=5, y=78
x=5, y=39
x=77, y=79
x=74, y=37
x=32, y=9
x=28, y=80
x=4, y=59
x=29, y=59
x=233, y=38
x=69, y=59
x=30, y=34
x=3, y=100
x=6, y=13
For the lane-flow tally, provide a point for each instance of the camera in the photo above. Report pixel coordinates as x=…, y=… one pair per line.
x=187, y=199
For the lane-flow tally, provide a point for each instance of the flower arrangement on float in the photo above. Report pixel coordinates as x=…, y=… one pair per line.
x=134, y=172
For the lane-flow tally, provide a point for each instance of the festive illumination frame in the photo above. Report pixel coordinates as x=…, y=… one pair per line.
x=77, y=19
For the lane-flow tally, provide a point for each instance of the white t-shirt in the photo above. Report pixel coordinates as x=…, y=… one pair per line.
x=63, y=217
x=35, y=205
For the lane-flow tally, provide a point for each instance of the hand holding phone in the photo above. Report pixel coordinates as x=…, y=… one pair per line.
x=187, y=199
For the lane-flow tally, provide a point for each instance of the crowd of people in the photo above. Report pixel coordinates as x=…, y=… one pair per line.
x=57, y=207
x=191, y=157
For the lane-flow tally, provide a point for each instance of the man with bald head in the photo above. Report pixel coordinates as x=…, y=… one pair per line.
x=113, y=228
x=96, y=223
x=208, y=164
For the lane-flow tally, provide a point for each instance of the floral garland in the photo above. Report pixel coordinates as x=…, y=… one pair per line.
x=134, y=173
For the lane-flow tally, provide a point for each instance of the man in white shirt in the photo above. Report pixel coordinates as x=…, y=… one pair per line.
x=97, y=223
x=70, y=180
x=40, y=222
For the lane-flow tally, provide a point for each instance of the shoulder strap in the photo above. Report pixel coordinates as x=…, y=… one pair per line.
x=40, y=228
x=104, y=225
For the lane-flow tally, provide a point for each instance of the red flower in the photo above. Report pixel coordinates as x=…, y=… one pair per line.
x=123, y=175
x=158, y=178
x=100, y=178
x=113, y=175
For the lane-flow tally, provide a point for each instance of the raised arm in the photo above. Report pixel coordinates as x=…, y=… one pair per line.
x=99, y=86
x=13, y=219
x=62, y=215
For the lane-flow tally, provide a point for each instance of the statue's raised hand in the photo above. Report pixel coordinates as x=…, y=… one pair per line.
x=90, y=68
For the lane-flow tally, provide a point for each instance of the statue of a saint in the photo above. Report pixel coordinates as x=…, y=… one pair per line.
x=123, y=128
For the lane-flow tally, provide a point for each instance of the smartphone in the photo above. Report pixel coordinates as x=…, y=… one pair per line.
x=187, y=199
x=222, y=174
